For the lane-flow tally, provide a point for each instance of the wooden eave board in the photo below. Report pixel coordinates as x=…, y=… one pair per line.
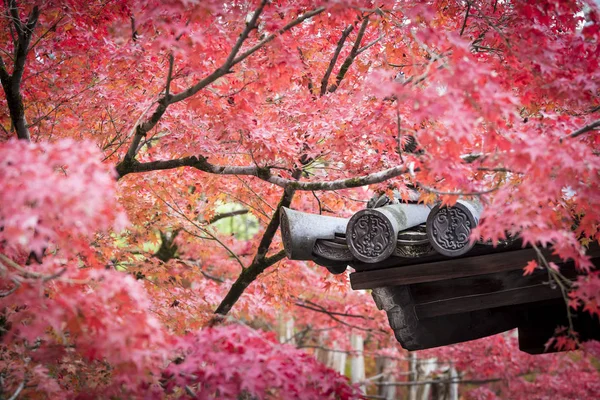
x=451, y=268
x=520, y=295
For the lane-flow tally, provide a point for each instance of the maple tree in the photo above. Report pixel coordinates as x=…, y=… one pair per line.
x=139, y=120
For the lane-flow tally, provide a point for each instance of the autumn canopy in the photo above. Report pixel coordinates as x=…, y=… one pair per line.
x=148, y=146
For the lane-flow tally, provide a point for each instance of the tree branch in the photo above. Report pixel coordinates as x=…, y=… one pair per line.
x=334, y=316
x=269, y=38
x=465, y=20
x=336, y=54
x=52, y=28
x=4, y=76
x=18, y=391
x=134, y=33
x=142, y=129
x=23, y=47
x=8, y=292
x=353, y=53
x=225, y=68
x=169, y=75
x=590, y=127
x=369, y=45
x=218, y=217
x=318, y=308
x=309, y=346
x=263, y=173
x=12, y=83
x=179, y=211
x=260, y=261
x=442, y=193
x=245, y=278
x=13, y=9
x=244, y=35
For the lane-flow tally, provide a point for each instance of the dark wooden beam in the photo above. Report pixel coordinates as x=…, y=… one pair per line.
x=451, y=268
x=473, y=285
x=538, y=324
x=522, y=295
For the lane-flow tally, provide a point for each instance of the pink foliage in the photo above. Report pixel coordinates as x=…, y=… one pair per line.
x=54, y=193
x=230, y=361
x=58, y=195
x=518, y=375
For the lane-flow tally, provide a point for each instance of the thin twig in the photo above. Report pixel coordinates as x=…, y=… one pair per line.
x=18, y=391
x=190, y=392
x=369, y=45
x=220, y=216
x=590, y=127
x=179, y=211
x=335, y=318
x=318, y=202
x=432, y=190
x=399, y=135
x=465, y=20
x=12, y=290
x=321, y=309
x=562, y=283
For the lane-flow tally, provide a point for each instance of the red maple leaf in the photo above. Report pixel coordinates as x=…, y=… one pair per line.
x=530, y=267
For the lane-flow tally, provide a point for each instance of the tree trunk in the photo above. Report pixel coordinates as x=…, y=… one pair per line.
x=285, y=325
x=413, y=377
x=425, y=368
x=384, y=367
x=453, y=386
x=338, y=360
x=358, y=361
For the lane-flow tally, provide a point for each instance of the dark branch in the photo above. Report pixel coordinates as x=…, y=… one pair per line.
x=4, y=76
x=211, y=277
x=142, y=129
x=244, y=35
x=590, y=127
x=321, y=309
x=264, y=173
x=442, y=193
x=260, y=261
x=218, y=217
x=336, y=54
x=13, y=9
x=23, y=48
x=12, y=83
x=334, y=316
x=269, y=38
x=244, y=280
x=225, y=68
x=134, y=32
x=353, y=53
x=369, y=45
x=465, y=20
x=169, y=76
